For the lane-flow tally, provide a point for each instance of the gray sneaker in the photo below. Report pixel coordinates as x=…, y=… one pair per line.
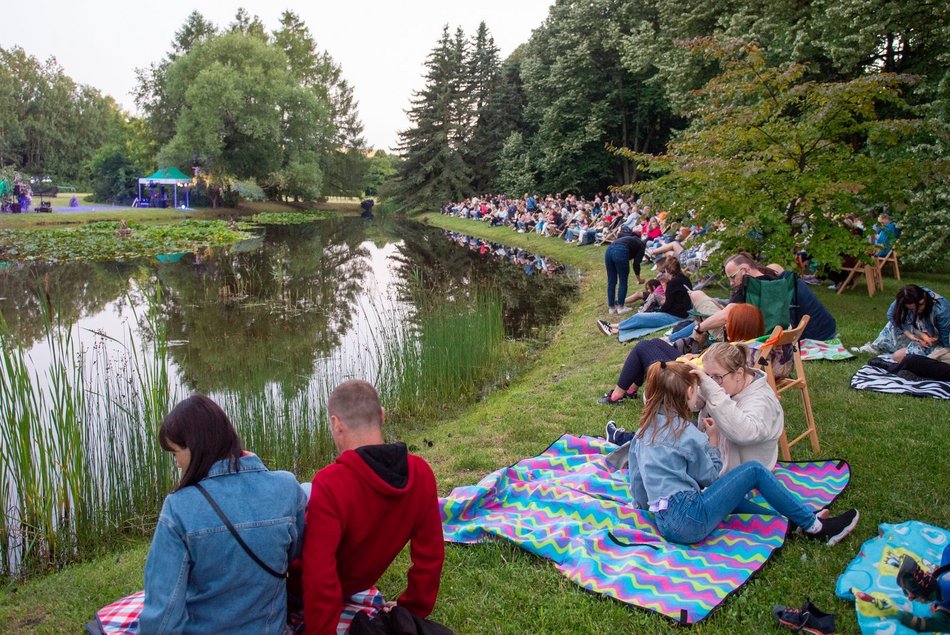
x=624, y=309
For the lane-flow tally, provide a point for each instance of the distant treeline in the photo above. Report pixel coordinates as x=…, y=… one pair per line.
x=239, y=103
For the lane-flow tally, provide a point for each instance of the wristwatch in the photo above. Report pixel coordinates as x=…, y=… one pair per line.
x=698, y=329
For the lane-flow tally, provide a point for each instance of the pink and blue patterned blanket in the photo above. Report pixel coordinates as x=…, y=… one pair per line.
x=569, y=506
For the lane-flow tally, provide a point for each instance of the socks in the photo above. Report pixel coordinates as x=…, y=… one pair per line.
x=815, y=527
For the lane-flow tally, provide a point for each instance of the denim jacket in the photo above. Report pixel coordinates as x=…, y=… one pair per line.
x=663, y=466
x=937, y=323
x=198, y=579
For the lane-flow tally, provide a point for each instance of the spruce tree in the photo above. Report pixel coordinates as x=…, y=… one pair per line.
x=434, y=171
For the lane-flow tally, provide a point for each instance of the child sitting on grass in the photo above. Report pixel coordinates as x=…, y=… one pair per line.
x=674, y=469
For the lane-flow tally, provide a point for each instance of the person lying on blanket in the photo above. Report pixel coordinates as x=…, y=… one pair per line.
x=676, y=304
x=198, y=578
x=364, y=508
x=675, y=469
x=935, y=365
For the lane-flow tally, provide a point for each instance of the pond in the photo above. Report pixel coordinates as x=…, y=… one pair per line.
x=267, y=327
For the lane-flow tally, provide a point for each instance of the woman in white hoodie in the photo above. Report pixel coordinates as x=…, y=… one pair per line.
x=742, y=405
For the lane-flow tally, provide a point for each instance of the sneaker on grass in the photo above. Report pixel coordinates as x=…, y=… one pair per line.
x=604, y=327
x=834, y=529
x=624, y=309
x=808, y=619
x=868, y=348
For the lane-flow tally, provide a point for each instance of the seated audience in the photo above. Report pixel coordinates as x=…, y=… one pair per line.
x=918, y=320
x=676, y=305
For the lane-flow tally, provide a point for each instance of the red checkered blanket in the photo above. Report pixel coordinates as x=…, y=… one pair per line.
x=122, y=616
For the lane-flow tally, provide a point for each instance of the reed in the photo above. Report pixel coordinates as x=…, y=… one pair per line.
x=448, y=355
x=80, y=462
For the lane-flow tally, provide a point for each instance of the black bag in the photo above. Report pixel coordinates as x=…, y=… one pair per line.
x=398, y=621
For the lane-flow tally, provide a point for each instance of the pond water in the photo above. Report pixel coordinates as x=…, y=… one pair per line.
x=274, y=310
x=267, y=328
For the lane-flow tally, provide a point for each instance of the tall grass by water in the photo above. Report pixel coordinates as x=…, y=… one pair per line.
x=446, y=357
x=80, y=463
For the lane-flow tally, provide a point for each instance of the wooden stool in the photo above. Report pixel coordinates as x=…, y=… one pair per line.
x=891, y=258
x=872, y=276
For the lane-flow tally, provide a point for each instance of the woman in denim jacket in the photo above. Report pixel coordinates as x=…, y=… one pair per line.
x=198, y=579
x=918, y=321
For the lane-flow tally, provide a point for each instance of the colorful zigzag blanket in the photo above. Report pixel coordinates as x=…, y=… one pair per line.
x=568, y=506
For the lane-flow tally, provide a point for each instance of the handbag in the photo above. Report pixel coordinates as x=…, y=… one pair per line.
x=240, y=541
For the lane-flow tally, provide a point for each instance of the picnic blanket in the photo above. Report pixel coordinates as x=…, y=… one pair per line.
x=831, y=349
x=122, y=616
x=874, y=571
x=879, y=380
x=568, y=506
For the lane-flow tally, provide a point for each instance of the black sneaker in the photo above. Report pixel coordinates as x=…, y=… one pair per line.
x=604, y=327
x=606, y=399
x=916, y=583
x=833, y=530
x=808, y=619
x=611, y=431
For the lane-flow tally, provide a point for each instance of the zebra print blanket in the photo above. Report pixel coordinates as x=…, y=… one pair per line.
x=879, y=380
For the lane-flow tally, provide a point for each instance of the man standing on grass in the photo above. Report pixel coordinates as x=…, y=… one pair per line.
x=364, y=508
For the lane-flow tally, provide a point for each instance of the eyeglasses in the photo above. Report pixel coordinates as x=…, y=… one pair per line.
x=718, y=378
x=734, y=274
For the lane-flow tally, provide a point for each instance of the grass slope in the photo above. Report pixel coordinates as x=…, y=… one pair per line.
x=897, y=447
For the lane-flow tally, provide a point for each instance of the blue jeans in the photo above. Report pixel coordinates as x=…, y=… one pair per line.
x=691, y=515
x=683, y=333
x=644, y=320
x=617, y=261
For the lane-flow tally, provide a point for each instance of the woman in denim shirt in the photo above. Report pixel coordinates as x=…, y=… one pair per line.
x=198, y=579
x=674, y=469
x=918, y=321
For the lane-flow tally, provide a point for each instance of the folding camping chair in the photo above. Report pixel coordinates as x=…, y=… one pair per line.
x=890, y=258
x=796, y=379
x=774, y=298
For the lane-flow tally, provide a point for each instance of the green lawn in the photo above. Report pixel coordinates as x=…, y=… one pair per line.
x=897, y=448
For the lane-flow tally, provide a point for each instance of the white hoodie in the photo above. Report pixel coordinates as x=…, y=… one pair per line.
x=750, y=422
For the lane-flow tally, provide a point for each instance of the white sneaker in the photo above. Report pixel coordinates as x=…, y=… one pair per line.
x=868, y=348
x=624, y=309
x=832, y=286
x=611, y=310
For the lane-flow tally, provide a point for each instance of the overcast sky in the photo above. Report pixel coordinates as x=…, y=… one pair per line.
x=381, y=44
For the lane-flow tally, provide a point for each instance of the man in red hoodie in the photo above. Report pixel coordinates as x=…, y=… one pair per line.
x=363, y=510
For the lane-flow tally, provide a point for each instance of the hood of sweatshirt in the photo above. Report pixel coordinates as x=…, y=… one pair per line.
x=385, y=466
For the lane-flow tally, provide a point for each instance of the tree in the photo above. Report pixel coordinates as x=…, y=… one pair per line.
x=342, y=163
x=515, y=171
x=382, y=167
x=433, y=170
x=114, y=169
x=489, y=133
x=779, y=159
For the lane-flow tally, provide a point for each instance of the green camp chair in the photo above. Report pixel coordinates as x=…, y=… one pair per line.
x=775, y=298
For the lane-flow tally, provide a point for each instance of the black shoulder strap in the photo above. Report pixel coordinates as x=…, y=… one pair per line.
x=234, y=533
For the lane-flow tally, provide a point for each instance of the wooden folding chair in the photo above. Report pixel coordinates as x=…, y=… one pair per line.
x=872, y=276
x=890, y=258
x=796, y=380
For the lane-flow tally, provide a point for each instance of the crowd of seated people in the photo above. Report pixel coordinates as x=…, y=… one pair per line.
x=580, y=221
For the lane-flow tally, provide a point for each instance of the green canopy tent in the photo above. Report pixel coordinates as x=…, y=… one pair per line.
x=167, y=176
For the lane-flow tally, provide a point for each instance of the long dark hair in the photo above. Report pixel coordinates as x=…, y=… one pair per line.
x=911, y=294
x=199, y=424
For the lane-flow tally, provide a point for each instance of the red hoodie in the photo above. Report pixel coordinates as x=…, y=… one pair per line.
x=358, y=522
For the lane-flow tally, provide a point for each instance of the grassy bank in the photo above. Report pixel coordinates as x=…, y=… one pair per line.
x=897, y=448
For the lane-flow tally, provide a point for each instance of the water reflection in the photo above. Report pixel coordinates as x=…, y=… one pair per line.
x=275, y=310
